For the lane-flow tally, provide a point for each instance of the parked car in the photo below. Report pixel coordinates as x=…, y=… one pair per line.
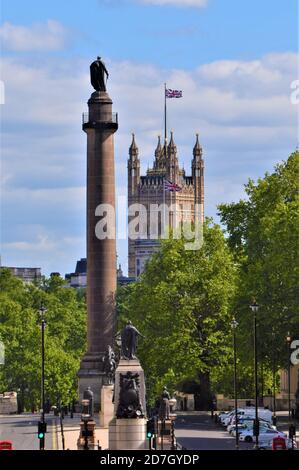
x=225, y=420
x=248, y=422
x=246, y=435
x=249, y=412
x=249, y=426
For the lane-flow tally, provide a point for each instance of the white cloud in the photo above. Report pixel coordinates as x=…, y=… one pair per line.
x=44, y=250
x=241, y=109
x=177, y=3
x=50, y=35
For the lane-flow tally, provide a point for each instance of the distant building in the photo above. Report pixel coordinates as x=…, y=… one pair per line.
x=144, y=249
x=27, y=275
x=165, y=184
x=78, y=279
x=123, y=280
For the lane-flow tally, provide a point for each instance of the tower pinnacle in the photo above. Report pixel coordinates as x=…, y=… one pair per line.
x=197, y=150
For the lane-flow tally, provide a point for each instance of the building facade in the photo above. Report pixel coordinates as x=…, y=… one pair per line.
x=27, y=275
x=163, y=208
x=78, y=279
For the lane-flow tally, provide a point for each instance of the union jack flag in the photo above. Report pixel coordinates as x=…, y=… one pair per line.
x=173, y=187
x=173, y=93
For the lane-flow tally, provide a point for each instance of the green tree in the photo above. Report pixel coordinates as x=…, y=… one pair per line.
x=182, y=304
x=65, y=335
x=263, y=232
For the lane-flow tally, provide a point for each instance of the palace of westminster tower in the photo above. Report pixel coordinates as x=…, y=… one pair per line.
x=151, y=189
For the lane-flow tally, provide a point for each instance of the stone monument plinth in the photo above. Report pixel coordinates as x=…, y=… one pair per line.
x=127, y=430
x=127, y=434
x=87, y=435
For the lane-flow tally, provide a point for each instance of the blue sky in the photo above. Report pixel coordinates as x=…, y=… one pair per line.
x=234, y=60
x=168, y=36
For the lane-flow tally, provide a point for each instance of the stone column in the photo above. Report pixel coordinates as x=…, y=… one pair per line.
x=99, y=125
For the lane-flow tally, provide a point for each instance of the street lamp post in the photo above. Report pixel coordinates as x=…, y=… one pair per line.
x=85, y=417
x=289, y=339
x=254, y=307
x=292, y=427
x=274, y=419
x=42, y=312
x=234, y=325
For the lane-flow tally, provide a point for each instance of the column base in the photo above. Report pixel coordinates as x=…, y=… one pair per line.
x=127, y=434
x=91, y=375
x=107, y=405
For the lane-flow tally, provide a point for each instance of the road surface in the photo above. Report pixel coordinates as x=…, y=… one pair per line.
x=22, y=431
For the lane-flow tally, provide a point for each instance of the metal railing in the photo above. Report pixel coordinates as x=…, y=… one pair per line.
x=105, y=118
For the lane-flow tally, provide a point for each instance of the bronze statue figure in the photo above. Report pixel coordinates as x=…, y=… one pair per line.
x=129, y=341
x=97, y=75
x=109, y=364
x=164, y=408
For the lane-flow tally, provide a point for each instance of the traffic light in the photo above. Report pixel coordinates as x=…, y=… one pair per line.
x=42, y=429
x=150, y=428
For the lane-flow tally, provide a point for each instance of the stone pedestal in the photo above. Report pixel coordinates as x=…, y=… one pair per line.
x=91, y=439
x=165, y=432
x=128, y=434
x=107, y=407
x=91, y=375
x=124, y=366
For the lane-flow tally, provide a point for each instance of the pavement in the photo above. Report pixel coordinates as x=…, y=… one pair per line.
x=70, y=433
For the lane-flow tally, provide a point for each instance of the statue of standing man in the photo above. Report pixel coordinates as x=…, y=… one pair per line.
x=98, y=73
x=164, y=408
x=129, y=341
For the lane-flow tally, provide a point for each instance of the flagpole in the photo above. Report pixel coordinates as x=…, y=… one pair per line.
x=163, y=207
x=165, y=150
x=165, y=114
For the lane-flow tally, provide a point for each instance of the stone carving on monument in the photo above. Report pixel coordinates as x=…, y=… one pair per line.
x=129, y=405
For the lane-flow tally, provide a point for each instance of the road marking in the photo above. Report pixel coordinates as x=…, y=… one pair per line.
x=54, y=436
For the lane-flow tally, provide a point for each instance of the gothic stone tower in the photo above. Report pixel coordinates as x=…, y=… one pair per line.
x=149, y=189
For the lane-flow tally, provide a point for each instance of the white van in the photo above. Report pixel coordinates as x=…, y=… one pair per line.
x=263, y=413
x=249, y=412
